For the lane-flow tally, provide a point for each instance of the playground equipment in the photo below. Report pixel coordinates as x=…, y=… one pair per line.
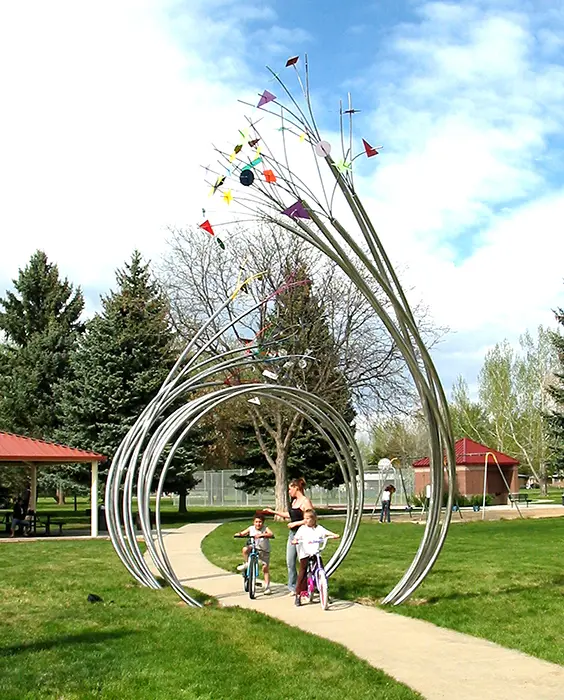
x=385, y=465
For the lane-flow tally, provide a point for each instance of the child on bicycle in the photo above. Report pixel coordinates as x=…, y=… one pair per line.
x=262, y=535
x=307, y=539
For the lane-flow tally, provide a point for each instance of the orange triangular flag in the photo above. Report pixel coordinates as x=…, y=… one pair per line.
x=207, y=227
x=269, y=176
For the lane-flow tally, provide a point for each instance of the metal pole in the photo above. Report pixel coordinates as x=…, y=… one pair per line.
x=94, y=500
x=485, y=486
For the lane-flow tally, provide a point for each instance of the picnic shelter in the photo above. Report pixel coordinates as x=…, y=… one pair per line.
x=24, y=451
x=472, y=460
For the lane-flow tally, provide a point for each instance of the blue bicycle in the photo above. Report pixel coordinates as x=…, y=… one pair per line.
x=251, y=571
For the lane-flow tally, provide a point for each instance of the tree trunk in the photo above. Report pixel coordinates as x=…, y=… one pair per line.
x=281, y=476
x=182, y=493
x=543, y=480
x=60, y=497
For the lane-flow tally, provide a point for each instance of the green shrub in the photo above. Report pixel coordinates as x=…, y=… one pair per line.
x=418, y=500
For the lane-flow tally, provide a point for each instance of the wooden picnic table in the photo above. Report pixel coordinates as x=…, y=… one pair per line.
x=41, y=520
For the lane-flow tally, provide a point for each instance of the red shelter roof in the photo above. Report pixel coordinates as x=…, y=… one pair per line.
x=15, y=448
x=469, y=452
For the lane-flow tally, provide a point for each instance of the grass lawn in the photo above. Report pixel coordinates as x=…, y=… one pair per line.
x=500, y=580
x=554, y=494
x=142, y=644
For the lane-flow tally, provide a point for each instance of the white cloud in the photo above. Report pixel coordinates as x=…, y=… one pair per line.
x=468, y=110
x=109, y=111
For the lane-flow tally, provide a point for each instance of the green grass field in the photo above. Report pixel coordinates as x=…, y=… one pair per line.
x=554, y=495
x=145, y=644
x=502, y=580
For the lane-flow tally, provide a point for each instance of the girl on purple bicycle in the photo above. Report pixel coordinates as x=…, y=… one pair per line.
x=307, y=539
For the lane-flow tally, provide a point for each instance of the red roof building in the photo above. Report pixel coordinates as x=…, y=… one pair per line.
x=16, y=449
x=472, y=458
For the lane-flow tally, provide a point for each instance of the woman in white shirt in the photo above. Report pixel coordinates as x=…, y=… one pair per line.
x=386, y=503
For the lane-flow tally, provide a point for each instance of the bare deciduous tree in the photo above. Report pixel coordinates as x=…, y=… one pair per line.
x=354, y=355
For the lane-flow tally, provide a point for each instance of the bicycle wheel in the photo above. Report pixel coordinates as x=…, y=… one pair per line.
x=246, y=580
x=322, y=588
x=252, y=577
x=310, y=583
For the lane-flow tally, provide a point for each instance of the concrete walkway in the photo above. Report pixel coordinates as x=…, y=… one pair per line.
x=437, y=662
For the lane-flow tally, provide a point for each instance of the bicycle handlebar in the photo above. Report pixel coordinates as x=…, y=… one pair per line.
x=322, y=541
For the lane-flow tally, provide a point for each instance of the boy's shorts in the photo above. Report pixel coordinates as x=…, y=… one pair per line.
x=264, y=557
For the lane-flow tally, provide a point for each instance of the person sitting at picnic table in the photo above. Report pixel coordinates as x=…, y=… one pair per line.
x=18, y=519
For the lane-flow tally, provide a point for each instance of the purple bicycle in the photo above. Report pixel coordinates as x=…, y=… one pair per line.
x=316, y=577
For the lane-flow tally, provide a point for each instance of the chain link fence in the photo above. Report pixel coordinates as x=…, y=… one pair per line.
x=216, y=488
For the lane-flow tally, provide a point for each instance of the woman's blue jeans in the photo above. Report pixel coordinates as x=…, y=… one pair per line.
x=291, y=561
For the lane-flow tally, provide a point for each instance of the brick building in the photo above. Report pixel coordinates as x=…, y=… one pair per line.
x=470, y=463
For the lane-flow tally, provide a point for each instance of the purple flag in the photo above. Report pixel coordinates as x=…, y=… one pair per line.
x=296, y=211
x=265, y=98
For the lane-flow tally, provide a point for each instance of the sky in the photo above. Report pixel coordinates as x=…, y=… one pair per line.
x=110, y=109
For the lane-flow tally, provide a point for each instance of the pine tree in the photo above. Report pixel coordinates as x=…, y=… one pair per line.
x=41, y=324
x=125, y=355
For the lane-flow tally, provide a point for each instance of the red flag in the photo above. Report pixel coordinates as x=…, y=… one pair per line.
x=370, y=150
x=207, y=227
x=269, y=176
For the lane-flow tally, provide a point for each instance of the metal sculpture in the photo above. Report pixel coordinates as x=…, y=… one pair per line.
x=259, y=186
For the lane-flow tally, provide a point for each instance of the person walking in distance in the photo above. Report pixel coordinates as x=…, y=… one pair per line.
x=386, y=503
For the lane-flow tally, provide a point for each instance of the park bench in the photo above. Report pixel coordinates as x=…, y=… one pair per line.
x=6, y=519
x=519, y=498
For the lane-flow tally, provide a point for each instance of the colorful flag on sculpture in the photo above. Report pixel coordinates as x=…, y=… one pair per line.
x=370, y=150
x=265, y=98
x=207, y=227
x=218, y=183
x=297, y=211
